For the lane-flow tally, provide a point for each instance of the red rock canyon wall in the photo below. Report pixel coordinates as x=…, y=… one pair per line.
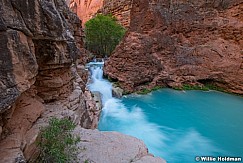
x=85, y=9
x=176, y=42
x=40, y=42
x=42, y=75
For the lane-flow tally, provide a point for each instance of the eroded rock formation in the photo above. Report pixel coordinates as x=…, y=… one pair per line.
x=171, y=43
x=85, y=9
x=42, y=76
x=36, y=37
x=40, y=42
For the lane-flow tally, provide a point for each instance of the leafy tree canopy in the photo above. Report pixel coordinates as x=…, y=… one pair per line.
x=103, y=33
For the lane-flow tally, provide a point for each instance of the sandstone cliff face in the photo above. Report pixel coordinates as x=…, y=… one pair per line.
x=40, y=42
x=35, y=36
x=85, y=9
x=171, y=43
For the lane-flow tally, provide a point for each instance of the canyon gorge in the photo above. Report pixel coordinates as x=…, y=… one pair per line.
x=173, y=43
x=169, y=43
x=43, y=75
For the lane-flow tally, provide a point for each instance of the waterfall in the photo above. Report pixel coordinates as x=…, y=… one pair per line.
x=98, y=83
x=174, y=125
x=134, y=120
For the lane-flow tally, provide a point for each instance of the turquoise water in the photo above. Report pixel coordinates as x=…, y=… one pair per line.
x=176, y=125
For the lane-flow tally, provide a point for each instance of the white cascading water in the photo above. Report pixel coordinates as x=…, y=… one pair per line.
x=98, y=83
x=174, y=125
x=132, y=121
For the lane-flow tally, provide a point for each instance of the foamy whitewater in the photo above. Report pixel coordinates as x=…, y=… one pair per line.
x=175, y=125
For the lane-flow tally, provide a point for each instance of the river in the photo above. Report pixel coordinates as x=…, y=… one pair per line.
x=175, y=125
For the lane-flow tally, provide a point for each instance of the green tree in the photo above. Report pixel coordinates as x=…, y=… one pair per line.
x=103, y=34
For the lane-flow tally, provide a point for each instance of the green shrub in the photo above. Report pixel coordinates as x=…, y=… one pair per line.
x=57, y=144
x=191, y=87
x=214, y=87
x=194, y=87
x=156, y=88
x=103, y=34
x=146, y=91
x=205, y=87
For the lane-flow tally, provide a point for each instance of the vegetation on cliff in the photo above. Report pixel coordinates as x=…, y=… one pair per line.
x=57, y=144
x=205, y=87
x=146, y=91
x=103, y=33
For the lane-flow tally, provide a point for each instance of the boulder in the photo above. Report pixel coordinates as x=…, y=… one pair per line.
x=117, y=91
x=102, y=147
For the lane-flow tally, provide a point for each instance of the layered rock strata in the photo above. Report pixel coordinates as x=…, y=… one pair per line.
x=39, y=44
x=36, y=38
x=172, y=43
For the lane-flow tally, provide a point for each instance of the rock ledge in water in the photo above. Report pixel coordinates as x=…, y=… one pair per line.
x=116, y=91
